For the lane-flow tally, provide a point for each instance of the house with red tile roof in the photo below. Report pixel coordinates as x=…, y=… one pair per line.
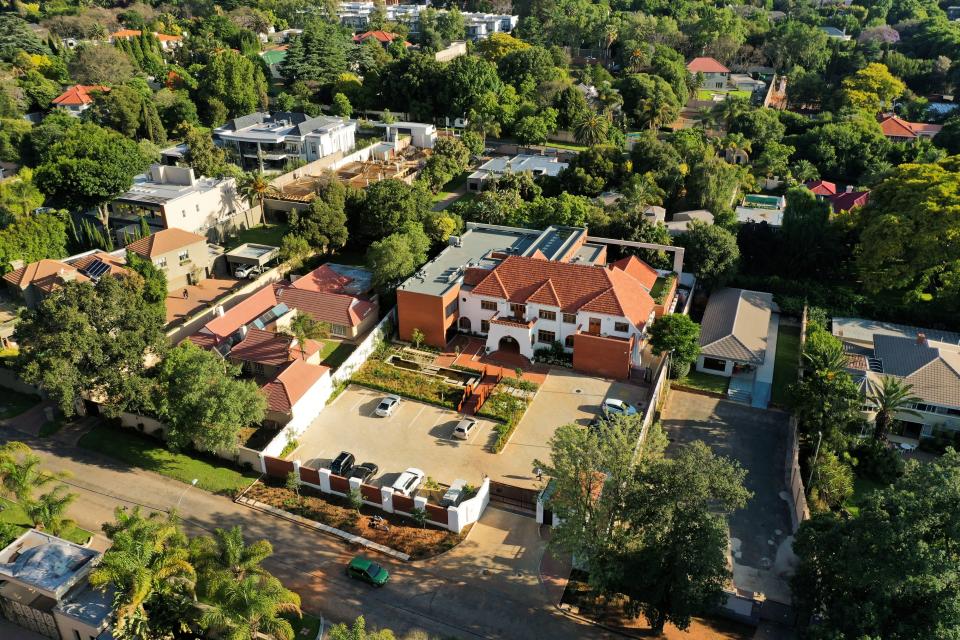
x=846, y=200
x=900, y=130
x=524, y=290
x=184, y=257
x=167, y=41
x=715, y=75
x=33, y=282
x=297, y=395
x=385, y=38
x=821, y=187
x=78, y=98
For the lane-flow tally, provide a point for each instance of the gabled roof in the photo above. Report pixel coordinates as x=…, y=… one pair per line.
x=574, y=287
x=164, y=241
x=932, y=368
x=78, y=95
x=849, y=200
x=27, y=275
x=126, y=33
x=896, y=127
x=735, y=325
x=269, y=348
x=383, y=37
x=335, y=308
x=46, y=274
x=243, y=313
x=291, y=384
x=821, y=187
x=323, y=278
x=706, y=65
x=644, y=273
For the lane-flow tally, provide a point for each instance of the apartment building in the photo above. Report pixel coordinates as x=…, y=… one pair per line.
x=524, y=290
x=478, y=26
x=268, y=141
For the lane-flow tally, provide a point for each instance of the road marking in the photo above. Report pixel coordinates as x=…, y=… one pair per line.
x=416, y=417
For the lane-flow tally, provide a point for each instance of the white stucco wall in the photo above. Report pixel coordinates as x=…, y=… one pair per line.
x=197, y=211
x=727, y=372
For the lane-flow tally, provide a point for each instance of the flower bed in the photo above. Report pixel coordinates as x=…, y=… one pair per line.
x=379, y=375
x=508, y=409
x=404, y=535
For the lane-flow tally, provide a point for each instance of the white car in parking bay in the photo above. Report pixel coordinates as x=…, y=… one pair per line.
x=408, y=482
x=387, y=406
x=615, y=406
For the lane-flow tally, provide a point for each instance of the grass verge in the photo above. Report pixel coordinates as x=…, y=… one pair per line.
x=334, y=353
x=13, y=403
x=785, y=363
x=14, y=514
x=700, y=381
x=143, y=452
x=305, y=628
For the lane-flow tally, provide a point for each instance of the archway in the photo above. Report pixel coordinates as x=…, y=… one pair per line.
x=509, y=344
x=465, y=324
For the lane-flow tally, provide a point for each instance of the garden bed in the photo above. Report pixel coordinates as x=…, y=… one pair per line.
x=381, y=376
x=404, y=535
x=506, y=405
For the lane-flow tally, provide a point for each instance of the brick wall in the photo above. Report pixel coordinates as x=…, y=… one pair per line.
x=425, y=312
x=311, y=476
x=339, y=483
x=402, y=503
x=435, y=513
x=276, y=467
x=601, y=356
x=371, y=493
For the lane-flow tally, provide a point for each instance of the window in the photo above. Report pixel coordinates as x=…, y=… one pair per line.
x=160, y=262
x=451, y=309
x=184, y=212
x=484, y=326
x=518, y=310
x=489, y=305
x=258, y=367
x=570, y=318
x=198, y=208
x=714, y=364
x=622, y=327
x=183, y=255
x=568, y=342
x=546, y=337
x=338, y=330
x=548, y=315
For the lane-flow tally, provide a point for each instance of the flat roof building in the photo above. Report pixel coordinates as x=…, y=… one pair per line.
x=268, y=141
x=496, y=167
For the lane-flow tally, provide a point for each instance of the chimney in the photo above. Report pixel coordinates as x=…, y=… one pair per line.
x=243, y=331
x=922, y=339
x=849, y=188
x=218, y=311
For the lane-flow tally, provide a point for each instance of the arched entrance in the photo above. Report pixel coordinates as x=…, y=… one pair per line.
x=465, y=324
x=509, y=344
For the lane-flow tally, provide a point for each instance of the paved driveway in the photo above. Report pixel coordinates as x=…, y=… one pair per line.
x=416, y=435
x=756, y=438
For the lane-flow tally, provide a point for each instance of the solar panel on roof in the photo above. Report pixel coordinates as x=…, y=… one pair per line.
x=96, y=269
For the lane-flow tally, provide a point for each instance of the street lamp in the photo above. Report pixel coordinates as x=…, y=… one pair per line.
x=193, y=483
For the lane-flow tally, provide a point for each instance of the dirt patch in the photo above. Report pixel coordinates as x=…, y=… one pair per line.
x=403, y=535
x=579, y=598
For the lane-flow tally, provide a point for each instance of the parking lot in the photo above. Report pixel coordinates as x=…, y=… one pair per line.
x=420, y=435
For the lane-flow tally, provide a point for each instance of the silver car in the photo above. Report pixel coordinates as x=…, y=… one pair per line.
x=387, y=406
x=409, y=481
x=464, y=428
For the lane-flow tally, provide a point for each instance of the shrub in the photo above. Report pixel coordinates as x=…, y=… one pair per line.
x=878, y=462
x=379, y=375
x=555, y=355
x=679, y=369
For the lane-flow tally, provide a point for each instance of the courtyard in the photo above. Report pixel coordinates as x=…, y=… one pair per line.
x=760, y=533
x=420, y=434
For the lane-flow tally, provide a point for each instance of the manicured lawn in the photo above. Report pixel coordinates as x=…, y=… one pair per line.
x=13, y=403
x=269, y=234
x=451, y=187
x=565, y=145
x=703, y=382
x=14, y=514
x=861, y=487
x=305, y=628
x=140, y=451
x=785, y=364
x=334, y=353
x=707, y=94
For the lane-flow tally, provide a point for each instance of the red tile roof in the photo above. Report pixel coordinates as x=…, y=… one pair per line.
x=46, y=275
x=644, y=273
x=126, y=33
x=335, y=308
x=849, y=200
x=706, y=65
x=78, y=95
x=164, y=241
x=895, y=127
x=247, y=311
x=291, y=384
x=269, y=348
x=323, y=278
x=165, y=37
x=383, y=37
x=821, y=187
x=576, y=286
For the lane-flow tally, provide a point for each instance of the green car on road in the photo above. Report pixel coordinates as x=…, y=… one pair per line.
x=369, y=571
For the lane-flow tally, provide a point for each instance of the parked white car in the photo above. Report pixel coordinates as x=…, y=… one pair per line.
x=249, y=271
x=614, y=406
x=387, y=406
x=409, y=481
x=464, y=428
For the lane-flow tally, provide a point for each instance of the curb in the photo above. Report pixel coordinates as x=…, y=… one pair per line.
x=318, y=526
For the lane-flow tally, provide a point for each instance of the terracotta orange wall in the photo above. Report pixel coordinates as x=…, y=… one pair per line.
x=605, y=357
x=661, y=309
x=425, y=312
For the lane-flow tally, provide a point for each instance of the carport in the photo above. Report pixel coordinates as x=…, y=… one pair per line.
x=250, y=254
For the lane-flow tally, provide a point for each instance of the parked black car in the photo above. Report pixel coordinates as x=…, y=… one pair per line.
x=364, y=471
x=343, y=463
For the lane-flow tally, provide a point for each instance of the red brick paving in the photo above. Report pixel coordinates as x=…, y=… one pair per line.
x=198, y=296
x=472, y=356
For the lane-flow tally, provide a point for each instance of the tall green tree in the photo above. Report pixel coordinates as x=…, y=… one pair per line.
x=206, y=158
x=678, y=335
x=251, y=607
x=591, y=129
x=891, y=572
x=86, y=341
x=318, y=54
x=384, y=208
x=649, y=100
x=890, y=397
x=130, y=111
x=711, y=253
x=324, y=223
x=225, y=557
x=199, y=396
x=398, y=256
x=235, y=82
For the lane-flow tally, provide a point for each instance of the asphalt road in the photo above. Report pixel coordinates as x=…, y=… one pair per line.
x=311, y=563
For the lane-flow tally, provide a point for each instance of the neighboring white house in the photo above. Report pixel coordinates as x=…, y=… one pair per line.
x=682, y=219
x=743, y=82
x=478, y=26
x=496, y=167
x=926, y=359
x=269, y=140
x=715, y=75
x=760, y=208
x=422, y=136
x=173, y=198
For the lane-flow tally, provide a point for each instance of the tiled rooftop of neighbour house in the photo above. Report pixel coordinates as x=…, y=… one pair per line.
x=275, y=127
x=90, y=606
x=862, y=331
x=47, y=274
x=735, y=325
x=706, y=65
x=46, y=563
x=336, y=278
x=164, y=241
x=269, y=348
x=291, y=384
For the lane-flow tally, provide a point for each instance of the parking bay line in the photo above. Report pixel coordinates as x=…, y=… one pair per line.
x=416, y=417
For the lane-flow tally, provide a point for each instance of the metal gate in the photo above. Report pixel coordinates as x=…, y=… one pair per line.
x=517, y=499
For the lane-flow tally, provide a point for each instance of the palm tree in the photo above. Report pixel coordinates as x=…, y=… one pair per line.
x=730, y=109
x=890, y=397
x=637, y=59
x=246, y=608
x=21, y=472
x=255, y=187
x=303, y=327
x=483, y=122
x=591, y=129
x=148, y=563
x=829, y=361
x=225, y=557
x=47, y=511
x=804, y=171
x=610, y=98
